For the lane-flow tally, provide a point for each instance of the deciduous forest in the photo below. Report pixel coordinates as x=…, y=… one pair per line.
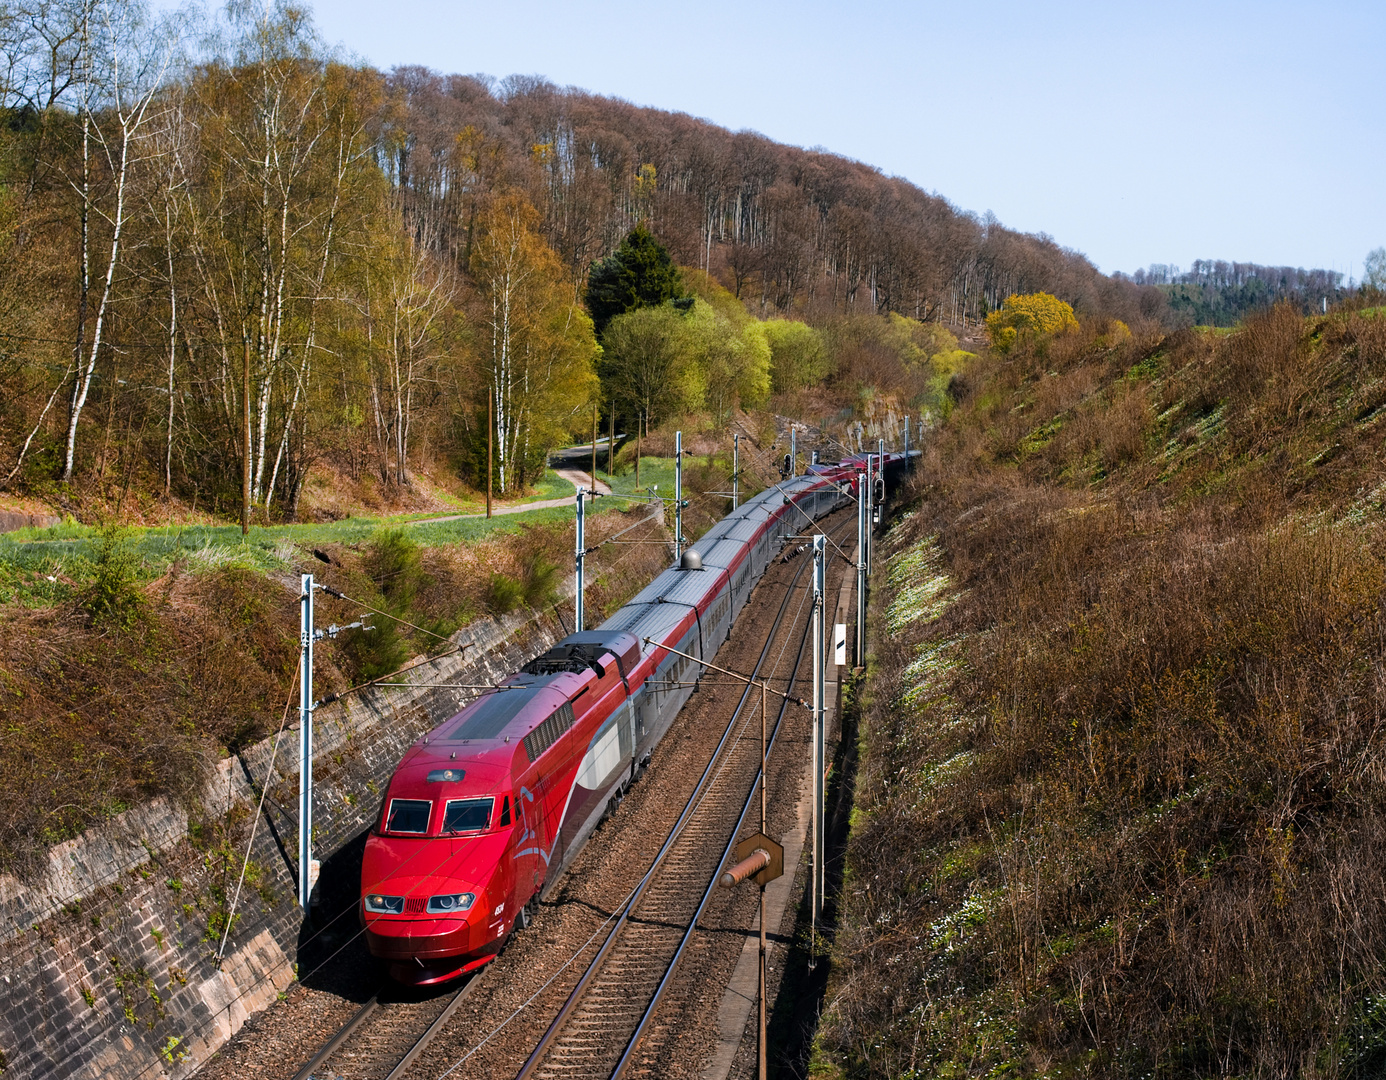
x=224, y=244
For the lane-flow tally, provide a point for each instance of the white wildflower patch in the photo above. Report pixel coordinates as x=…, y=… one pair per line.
x=927, y=675
x=922, y=586
x=1368, y=507
x=932, y=776
x=951, y=931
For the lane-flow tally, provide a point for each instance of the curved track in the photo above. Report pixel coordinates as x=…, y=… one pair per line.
x=598, y=1030
x=599, y=1025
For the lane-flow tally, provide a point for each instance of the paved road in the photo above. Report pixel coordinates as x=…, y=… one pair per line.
x=574, y=476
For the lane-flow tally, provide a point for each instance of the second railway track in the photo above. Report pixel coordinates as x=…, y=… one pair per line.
x=493, y=1023
x=597, y=1032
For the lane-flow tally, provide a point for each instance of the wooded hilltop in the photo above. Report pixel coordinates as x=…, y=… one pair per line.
x=206, y=220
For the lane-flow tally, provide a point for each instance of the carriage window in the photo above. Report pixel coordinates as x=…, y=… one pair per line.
x=409, y=815
x=467, y=815
x=505, y=811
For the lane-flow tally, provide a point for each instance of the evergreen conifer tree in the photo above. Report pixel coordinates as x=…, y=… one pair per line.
x=638, y=274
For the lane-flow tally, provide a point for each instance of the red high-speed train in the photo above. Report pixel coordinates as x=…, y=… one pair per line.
x=485, y=812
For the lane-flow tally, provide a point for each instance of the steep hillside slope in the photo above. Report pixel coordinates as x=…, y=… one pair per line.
x=1122, y=811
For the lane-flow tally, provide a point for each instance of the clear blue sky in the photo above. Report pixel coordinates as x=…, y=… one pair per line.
x=1135, y=132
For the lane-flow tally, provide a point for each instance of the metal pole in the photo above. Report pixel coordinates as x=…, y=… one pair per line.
x=761, y=1041
x=736, y=470
x=907, y=442
x=678, y=495
x=610, y=446
x=305, y=743
x=861, y=570
x=764, y=697
x=819, y=718
x=639, y=420
x=594, y=446
x=580, y=558
x=866, y=536
x=793, y=451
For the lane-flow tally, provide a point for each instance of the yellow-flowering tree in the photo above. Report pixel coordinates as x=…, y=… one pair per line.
x=1027, y=314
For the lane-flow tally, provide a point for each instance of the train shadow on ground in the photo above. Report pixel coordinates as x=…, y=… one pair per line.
x=332, y=953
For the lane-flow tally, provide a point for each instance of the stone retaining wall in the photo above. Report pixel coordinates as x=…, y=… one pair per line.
x=107, y=964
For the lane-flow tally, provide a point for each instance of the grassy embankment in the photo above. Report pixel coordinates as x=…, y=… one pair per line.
x=1122, y=811
x=130, y=660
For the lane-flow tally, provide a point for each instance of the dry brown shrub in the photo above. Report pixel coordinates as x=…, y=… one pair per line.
x=1125, y=424
x=98, y=718
x=1157, y=846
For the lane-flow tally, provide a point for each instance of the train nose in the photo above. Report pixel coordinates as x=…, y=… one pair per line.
x=423, y=918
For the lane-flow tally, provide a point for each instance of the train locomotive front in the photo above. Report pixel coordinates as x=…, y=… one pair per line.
x=470, y=823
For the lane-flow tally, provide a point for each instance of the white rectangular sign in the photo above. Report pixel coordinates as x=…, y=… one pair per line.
x=840, y=643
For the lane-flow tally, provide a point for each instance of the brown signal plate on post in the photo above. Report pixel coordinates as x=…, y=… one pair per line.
x=774, y=869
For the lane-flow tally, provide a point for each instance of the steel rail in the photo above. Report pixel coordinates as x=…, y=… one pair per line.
x=370, y=1009
x=433, y=1029
x=628, y=905
x=669, y=972
x=343, y=1033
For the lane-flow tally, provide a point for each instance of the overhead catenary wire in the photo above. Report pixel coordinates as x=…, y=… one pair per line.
x=401, y=867
x=383, y=614
x=702, y=790
x=620, y=907
x=230, y=916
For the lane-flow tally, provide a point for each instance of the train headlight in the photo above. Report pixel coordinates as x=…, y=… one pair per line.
x=385, y=905
x=449, y=902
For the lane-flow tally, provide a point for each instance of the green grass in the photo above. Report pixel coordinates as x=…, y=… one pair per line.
x=551, y=486
x=653, y=470
x=28, y=557
x=660, y=471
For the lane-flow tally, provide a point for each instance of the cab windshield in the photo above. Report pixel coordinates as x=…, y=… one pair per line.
x=408, y=816
x=467, y=815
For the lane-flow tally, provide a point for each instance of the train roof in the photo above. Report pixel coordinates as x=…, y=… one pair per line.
x=651, y=620
x=720, y=554
x=492, y=729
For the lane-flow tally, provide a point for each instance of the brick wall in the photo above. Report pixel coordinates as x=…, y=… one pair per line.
x=107, y=964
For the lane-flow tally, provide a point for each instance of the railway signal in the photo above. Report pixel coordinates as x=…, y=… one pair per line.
x=758, y=859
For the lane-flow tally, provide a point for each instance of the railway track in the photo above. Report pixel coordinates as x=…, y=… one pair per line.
x=385, y=1036
x=599, y=1026
x=597, y=1032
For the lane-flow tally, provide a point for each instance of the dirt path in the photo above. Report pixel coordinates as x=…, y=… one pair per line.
x=574, y=476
